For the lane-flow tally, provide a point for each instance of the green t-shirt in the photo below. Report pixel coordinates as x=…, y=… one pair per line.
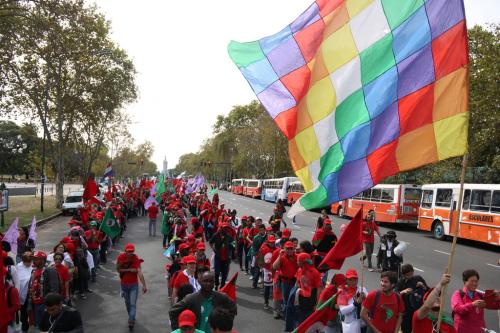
x=195, y=331
x=165, y=228
x=206, y=309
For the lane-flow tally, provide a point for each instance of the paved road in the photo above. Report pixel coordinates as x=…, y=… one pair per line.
x=104, y=311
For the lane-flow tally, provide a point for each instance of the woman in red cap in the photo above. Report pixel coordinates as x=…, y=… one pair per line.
x=349, y=301
x=265, y=263
x=309, y=287
x=186, y=276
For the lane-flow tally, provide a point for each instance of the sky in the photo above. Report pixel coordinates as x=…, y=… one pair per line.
x=185, y=77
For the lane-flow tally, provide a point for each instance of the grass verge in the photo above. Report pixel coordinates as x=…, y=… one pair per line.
x=25, y=207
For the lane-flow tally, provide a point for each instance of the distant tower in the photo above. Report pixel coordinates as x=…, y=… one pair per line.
x=165, y=166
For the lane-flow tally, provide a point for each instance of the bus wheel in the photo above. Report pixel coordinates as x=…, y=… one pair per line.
x=438, y=231
x=340, y=212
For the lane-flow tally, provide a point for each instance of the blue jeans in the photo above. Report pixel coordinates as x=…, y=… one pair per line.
x=96, y=257
x=129, y=293
x=38, y=310
x=286, y=288
x=221, y=268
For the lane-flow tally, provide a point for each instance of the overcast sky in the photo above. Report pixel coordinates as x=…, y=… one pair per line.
x=185, y=76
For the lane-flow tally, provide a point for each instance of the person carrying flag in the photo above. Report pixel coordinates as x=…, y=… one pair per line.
x=349, y=301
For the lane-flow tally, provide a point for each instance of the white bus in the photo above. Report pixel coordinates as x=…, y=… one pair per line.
x=274, y=189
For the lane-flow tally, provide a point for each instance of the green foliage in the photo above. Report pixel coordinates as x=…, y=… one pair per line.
x=245, y=143
x=17, y=147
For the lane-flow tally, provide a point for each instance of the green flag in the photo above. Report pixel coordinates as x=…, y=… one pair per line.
x=160, y=188
x=109, y=224
x=212, y=191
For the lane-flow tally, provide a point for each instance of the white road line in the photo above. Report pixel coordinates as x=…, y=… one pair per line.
x=296, y=227
x=418, y=269
x=312, y=232
x=496, y=266
x=447, y=253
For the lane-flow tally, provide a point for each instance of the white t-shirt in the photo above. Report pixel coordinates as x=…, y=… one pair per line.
x=351, y=323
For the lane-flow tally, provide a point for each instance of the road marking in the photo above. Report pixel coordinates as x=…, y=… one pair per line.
x=418, y=269
x=447, y=253
x=312, y=232
x=496, y=266
x=296, y=227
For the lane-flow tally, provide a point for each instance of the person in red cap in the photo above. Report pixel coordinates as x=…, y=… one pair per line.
x=191, y=242
x=187, y=323
x=264, y=260
x=285, y=237
x=369, y=229
x=186, y=276
x=128, y=265
x=309, y=287
x=242, y=247
x=329, y=315
x=286, y=268
x=201, y=257
x=324, y=240
x=223, y=245
x=349, y=301
x=197, y=229
x=44, y=280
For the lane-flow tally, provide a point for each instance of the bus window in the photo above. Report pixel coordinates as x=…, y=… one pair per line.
x=466, y=202
x=366, y=195
x=480, y=200
x=443, y=197
x=376, y=193
x=387, y=195
x=495, y=202
x=427, y=199
x=412, y=194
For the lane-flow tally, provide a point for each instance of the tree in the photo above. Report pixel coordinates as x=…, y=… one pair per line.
x=17, y=147
x=61, y=68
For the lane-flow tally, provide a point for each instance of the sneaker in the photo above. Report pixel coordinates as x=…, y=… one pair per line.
x=371, y=270
x=131, y=324
x=250, y=278
x=266, y=307
x=82, y=296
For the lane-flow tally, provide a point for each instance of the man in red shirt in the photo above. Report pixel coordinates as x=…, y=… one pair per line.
x=383, y=309
x=64, y=276
x=286, y=268
x=152, y=213
x=94, y=237
x=425, y=318
x=201, y=257
x=309, y=287
x=128, y=265
x=369, y=229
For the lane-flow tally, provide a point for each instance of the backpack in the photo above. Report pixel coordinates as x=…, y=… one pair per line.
x=416, y=299
x=377, y=298
x=462, y=294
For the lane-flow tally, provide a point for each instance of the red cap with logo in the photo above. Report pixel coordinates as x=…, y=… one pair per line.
x=129, y=247
x=200, y=246
x=187, y=318
x=289, y=245
x=286, y=233
x=351, y=274
x=40, y=254
x=271, y=239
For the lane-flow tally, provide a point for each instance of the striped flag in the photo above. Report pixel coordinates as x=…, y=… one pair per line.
x=108, y=172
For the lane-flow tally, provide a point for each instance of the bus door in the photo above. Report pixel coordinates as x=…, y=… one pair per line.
x=409, y=203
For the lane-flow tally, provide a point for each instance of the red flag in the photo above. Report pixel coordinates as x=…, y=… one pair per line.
x=349, y=244
x=316, y=321
x=230, y=288
x=3, y=304
x=90, y=189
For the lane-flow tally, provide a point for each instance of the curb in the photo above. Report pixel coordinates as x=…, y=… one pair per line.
x=47, y=219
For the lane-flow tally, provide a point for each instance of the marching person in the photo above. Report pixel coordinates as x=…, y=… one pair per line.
x=60, y=318
x=223, y=245
x=94, y=237
x=412, y=288
x=369, y=229
x=187, y=323
x=349, y=301
x=152, y=214
x=382, y=310
x=128, y=266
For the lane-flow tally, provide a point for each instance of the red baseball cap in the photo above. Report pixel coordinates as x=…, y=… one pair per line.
x=269, y=228
x=129, y=247
x=189, y=259
x=339, y=279
x=286, y=233
x=194, y=220
x=244, y=217
x=40, y=254
x=271, y=239
x=191, y=237
x=289, y=245
x=327, y=222
x=200, y=246
x=187, y=318
x=304, y=258
x=351, y=274
x=183, y=246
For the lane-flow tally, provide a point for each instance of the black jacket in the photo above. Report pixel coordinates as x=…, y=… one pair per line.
x=193, y=302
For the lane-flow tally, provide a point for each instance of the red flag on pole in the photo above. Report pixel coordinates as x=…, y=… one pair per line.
x=349, y=244
x=230, y=288
x=90, y=189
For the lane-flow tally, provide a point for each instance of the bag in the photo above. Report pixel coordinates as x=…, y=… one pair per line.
x=372, y=309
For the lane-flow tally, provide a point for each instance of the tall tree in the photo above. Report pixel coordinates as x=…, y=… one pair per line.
x=62, y=69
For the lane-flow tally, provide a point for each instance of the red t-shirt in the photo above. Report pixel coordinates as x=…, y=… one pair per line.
x=93, y=244
x=152, y=212
x=180, y=279
x=308, y=278
x=371, y=227
x=386, y=310
x=128, y=278
x=288, y=266
x=425, y=325
x=64, y=276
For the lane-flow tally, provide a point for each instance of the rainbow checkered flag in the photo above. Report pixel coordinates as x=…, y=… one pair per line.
x=363, y=89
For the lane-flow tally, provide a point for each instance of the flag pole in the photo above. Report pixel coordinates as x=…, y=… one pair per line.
x=362, y=254
x=456, y=221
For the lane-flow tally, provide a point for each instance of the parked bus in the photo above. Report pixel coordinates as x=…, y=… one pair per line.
x=480, y=216
x=274, y=189
x=392, y=203
x=295, y=191
x=252, y=188
x=237, y=186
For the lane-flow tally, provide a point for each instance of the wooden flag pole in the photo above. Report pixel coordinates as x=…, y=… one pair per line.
x=362, y=255
x=449, y=268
